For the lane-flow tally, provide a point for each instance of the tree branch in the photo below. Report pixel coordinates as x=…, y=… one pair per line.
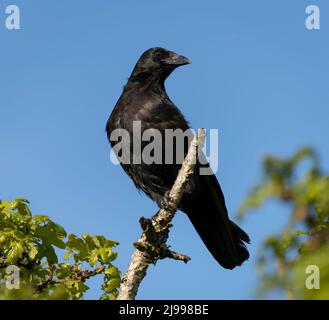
x=77, y=275
x=152, y=244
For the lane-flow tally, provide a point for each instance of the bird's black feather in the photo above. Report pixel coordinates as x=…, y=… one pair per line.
x=144, y=99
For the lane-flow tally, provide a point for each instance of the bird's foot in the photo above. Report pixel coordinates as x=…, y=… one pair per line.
x=165, y=202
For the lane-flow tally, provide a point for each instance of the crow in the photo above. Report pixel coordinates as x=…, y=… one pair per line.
x=144, y=100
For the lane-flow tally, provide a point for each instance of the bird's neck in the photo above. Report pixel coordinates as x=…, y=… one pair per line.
x=145, y=80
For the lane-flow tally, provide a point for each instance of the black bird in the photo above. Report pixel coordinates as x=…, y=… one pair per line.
x=145, y=99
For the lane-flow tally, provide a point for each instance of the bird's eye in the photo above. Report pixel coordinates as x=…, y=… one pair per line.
x=158, y=56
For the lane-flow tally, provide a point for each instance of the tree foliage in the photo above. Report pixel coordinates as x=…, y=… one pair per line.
x=34, y=243
x=283, y=262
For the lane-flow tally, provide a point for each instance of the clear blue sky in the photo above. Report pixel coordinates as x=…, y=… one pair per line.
x=257, y=75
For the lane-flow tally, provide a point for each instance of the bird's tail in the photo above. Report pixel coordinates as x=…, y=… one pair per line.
x=226, y=246
x=224, y=239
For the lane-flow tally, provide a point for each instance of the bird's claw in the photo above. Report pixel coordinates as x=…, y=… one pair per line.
x=165, y=202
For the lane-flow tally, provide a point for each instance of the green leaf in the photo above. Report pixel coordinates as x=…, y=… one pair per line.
x=50, y=235
x=112, y=271
x=33, y=251
x=79, y=246
x=15, y=253
x=300, y=232
x=49, y=253
x=93, y=258
x=112, y=284
x=67, y=255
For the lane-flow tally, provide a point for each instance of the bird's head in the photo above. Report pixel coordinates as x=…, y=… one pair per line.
x=157, y=63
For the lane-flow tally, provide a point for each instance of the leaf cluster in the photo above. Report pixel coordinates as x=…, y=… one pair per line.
x=298, y=183
x=34, y=245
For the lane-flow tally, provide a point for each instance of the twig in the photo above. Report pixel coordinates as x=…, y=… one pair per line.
x=152, y=244
x=77, y=275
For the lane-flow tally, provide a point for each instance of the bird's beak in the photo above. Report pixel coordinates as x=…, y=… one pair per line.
x=177, y=60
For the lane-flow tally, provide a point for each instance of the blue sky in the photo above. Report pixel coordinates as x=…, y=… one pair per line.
x=257, y=75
